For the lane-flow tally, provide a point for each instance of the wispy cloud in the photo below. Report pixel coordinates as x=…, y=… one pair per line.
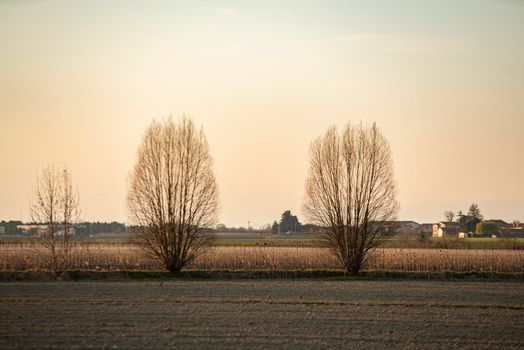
x=364, y=36
x=227, y=11
x=399, y=42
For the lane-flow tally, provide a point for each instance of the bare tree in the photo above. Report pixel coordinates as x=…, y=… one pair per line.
x=350, y=191
x=173, y=194
x=449, y=215
x=56, y=205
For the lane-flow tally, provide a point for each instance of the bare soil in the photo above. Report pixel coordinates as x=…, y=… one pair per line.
x=280, y=314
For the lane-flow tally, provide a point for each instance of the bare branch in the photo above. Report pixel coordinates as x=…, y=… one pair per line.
x=173, y=194
x=350, y=191
x=55, y=205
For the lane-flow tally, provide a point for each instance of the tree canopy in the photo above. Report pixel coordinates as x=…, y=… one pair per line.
x=289, y=223
x=487, y=228
x=351, y=191
x=468, y=222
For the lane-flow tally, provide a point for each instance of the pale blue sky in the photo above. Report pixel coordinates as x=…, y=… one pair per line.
x=80, y=81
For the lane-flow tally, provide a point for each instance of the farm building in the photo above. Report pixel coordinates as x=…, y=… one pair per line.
x=446, y=229
x=41, y=230
x=403, y=228
x=34, y=230
x=499, y=223
x=426, y=229
x=512, y=232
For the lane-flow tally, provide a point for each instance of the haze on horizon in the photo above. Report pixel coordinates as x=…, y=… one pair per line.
x=80, y=82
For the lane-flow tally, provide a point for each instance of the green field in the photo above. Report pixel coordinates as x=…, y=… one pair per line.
x=310, y=240
x=303, y=240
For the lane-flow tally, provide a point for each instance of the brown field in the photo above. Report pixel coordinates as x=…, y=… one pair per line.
x=262, y=314
x=110, y=257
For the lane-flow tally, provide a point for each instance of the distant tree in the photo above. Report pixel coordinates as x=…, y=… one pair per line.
x=468, y=222
x=516, y=223
x=485, y=228
x=351, y=191
x=11, y=227
x=274, y=228
x=173, y=194
x=462, y=220
x=289, y=223
x=450, y=215
x=56, y=205
x=474, y=217
x=94, y=228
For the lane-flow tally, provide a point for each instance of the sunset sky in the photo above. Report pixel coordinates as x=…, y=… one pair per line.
x=444, y=80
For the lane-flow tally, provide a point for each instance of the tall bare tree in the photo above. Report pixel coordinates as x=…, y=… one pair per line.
x=450, y=215
x=350, y=191
x=173, y=194
x=56, y=205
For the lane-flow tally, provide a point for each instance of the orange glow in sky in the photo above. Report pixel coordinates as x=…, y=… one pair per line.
x=80, y=82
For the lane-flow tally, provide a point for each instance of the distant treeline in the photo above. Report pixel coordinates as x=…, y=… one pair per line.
x=17, y=227
x=95, y=228
x=87, y=228
x=10, y=227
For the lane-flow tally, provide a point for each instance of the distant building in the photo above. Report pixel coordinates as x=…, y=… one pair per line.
x=500, y=223
x=426, y=229
x=71, y=232
x=446, y=229
x=403, y=228
x=40, y=230
x=33, y=230
x=403, y=224
x=513, y=231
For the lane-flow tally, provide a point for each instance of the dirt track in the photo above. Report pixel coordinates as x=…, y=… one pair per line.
x=262, y=314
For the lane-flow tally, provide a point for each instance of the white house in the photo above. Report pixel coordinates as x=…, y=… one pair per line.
x=446, y=229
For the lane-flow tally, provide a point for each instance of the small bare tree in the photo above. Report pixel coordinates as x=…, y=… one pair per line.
x=449, y=215
x=350, y=191
x=56, y=205
x=173, y=194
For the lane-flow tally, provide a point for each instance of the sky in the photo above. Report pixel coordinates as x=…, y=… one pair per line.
x=444, y=80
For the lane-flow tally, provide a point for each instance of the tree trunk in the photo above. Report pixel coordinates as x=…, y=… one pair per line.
x=175, y=269
x=353, y=267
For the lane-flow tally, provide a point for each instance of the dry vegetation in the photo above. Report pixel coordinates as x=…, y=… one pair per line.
x=173, y=192
x=127, y=257
x=351, y=191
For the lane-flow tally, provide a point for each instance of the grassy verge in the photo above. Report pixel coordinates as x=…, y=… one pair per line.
x=78, y=275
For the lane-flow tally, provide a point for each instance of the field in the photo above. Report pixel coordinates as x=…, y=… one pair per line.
x=308, y=240
x=112, y=257
x=311, y=240
x=258, y=314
